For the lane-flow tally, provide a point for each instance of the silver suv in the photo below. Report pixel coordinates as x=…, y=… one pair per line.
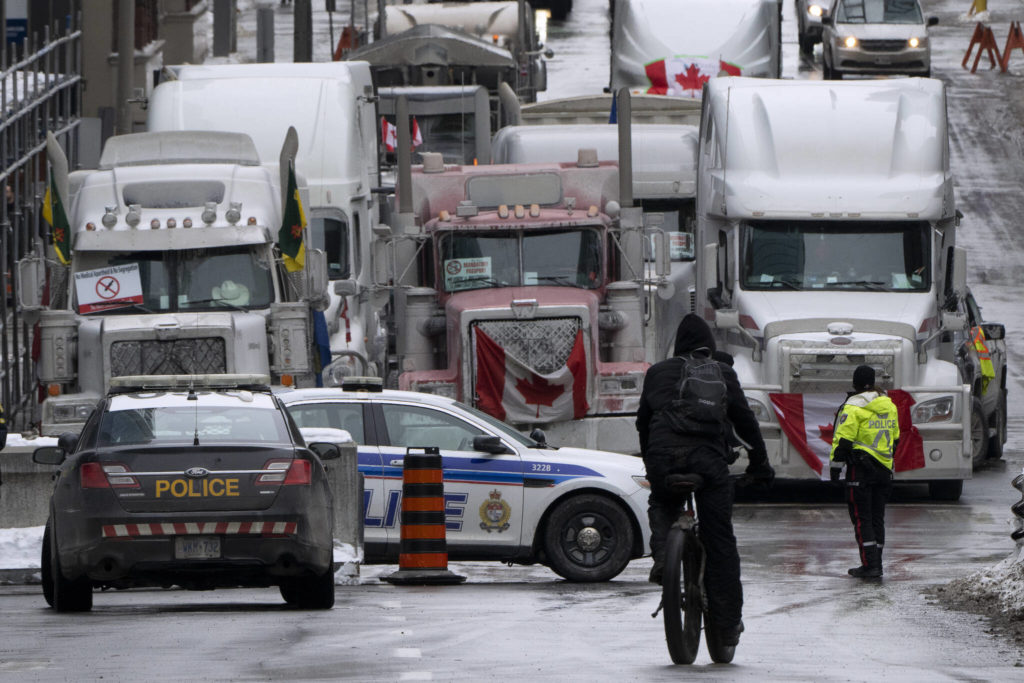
x=875, y=37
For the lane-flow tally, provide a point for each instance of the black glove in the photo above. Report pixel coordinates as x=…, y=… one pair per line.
x=834, y=473
x=761, y=472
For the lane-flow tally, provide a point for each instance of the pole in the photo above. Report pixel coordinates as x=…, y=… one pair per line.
x=125, y=64
x=303, y=13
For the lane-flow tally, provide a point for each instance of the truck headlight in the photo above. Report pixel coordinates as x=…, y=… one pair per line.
x=446, y=389
x=935, y=410
x=72, y=412
x=761, y=411
x=622, y=384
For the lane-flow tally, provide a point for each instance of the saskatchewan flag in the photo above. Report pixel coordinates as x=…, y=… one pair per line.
x=289, y=237
x=53, y=213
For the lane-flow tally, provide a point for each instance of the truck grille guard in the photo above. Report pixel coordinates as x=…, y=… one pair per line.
x=202, y=355
x=543, y=344
x=822, y=367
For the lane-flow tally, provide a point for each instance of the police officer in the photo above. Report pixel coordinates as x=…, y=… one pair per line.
x=666, y=451
x=865, y=437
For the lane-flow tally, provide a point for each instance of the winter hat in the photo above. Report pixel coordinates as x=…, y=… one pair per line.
x=863, y=377
x=692, y=334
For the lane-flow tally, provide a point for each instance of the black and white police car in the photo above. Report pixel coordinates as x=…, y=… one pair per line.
x=507, y=497
x=201, y=482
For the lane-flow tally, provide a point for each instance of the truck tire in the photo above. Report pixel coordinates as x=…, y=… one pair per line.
x=947, y=489
x=588, y=538
x=979, y=434
x=996, y=440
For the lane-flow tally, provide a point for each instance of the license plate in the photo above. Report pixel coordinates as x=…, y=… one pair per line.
x=883, y=60
x=196, y=547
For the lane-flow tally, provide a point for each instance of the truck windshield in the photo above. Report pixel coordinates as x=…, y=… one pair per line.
x=879, y=12
x=853, y=255
x=451, y=135
x=228, y=278
x=567, y=258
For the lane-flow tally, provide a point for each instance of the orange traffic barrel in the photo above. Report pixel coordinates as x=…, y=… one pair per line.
x=423, y=551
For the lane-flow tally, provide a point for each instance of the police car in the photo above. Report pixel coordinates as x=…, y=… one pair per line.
x=507, y=497
x=177, y=482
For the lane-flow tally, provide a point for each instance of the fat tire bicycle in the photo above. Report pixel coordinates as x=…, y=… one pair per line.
x=683, y=597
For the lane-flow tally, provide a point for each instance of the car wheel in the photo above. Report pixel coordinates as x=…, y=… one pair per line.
x=588, y=538
x=948, y=489
x=69, y=595
x=806, y=44
x=979, y=433
x=996, y=441
x=44, y=566
x=306, y=592
x=560, y=9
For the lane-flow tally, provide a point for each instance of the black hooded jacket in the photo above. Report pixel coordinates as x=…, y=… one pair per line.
x=656, y=436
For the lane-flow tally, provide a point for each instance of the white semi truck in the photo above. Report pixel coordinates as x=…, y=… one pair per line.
x=173, y=270
x=832, y=245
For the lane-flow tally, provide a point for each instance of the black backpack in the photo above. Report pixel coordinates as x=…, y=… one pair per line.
x=700, y=407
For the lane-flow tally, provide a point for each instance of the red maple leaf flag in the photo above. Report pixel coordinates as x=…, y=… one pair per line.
x=511, y=391
x=685, y=76
x=417, y=137
x=388, y=134
x=806, y=420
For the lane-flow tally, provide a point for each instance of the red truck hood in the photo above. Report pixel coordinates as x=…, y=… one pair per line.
x=502, y=298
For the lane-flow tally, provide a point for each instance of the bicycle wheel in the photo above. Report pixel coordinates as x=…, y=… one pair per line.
x=680, y=594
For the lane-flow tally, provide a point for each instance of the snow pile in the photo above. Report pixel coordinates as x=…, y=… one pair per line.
x=996, y=589
x=20, y=547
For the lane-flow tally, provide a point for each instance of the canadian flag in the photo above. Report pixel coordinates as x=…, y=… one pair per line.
x=389, y=134
x=512, y=392
x=806, y=420
x=684, y=76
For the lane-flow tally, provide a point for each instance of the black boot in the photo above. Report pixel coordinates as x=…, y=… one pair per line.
x=873, y=568
x=660, y=523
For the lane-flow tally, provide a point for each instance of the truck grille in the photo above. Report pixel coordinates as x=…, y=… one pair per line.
x=542, y=344
x=812, y=369
x=168, y=357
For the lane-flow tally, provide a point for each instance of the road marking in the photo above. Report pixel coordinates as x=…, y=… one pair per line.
x=416, y=676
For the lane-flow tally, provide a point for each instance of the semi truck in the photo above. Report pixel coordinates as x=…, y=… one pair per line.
x=830, y=246
x=170, y=266
x=520, y=290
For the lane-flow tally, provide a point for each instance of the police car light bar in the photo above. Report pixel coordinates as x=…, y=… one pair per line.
x=362, y=384
x=223, y=381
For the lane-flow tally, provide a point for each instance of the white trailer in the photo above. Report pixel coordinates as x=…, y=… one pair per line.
x=173, y=270
x=331, y=106
x=829, y=246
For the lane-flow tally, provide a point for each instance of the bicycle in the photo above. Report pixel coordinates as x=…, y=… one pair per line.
x=683, y=597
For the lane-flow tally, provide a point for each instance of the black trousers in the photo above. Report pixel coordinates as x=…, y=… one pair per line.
x=714, y=510
x=868, y=487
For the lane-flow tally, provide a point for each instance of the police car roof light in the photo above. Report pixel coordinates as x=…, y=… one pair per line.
x=221, y=381
x=362, y=384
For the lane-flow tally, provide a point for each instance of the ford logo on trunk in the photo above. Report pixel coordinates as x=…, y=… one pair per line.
x=196, y=472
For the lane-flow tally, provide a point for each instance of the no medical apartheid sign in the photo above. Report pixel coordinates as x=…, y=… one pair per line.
x=111, y=287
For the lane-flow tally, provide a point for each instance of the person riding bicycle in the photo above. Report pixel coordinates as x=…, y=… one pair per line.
x=667, y=451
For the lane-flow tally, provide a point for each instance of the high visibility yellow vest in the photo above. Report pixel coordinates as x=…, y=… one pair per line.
x=987, y=369
x=872, y=428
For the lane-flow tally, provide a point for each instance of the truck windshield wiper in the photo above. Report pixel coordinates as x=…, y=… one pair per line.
x=868, y=284
x=787, y=283
x=558, y=280
x=219, y=302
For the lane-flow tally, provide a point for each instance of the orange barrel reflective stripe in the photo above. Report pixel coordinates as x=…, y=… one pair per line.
x=984, y=357
x=423, y=549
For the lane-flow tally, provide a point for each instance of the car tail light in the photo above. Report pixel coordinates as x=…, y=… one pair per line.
x=286, y=472
x=111, y=475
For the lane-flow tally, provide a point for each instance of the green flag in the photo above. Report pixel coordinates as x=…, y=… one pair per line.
x=53, y=213
x=293, y=225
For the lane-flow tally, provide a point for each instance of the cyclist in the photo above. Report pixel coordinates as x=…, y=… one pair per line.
x=666, y=451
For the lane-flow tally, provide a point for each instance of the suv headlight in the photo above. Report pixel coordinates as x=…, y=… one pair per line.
x=814, y=10
x=917, y=42
x=935, y=410
x=850, y=41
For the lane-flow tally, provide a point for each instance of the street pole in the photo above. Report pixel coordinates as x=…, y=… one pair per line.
x=125, y=64
x=303, y=51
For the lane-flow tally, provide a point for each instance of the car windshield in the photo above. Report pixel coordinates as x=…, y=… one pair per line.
x=176, y=425
x=879, y=12
x=857, y=255
x=167, y=281
x=567, y=258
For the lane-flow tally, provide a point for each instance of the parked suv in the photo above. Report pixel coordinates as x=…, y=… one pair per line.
x=875, y=37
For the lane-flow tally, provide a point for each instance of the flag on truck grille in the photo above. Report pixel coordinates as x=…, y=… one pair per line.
x=293, y=226
x=510, y=391
x=53, y=213
x=685, y=76
x=806, y=420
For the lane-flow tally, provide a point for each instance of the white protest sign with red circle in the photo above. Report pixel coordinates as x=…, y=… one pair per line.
x=111, y=287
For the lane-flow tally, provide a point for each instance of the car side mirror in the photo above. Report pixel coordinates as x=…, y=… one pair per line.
x=325, y=450
x=994, y=331
x=933, y=21
x=538, y=435
x=489, y=444
x=48, y=455
x=827, y=20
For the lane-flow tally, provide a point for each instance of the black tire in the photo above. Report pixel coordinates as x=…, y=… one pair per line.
x=948, y=490
x=720, y=654
x=806, y=44
x=588, y=538
x=44, y=566
x=979, y=434
x=681, y=596
x=69, y=595
x=315, y=592
x=996, y=441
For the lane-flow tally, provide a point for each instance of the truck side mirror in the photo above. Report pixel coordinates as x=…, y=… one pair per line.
x=994, y=331
x=316, y=272
x=662, y=257
x=953, y=321
x=31, y=274
x=956, y=271
x=711, y=266
x=346, y=287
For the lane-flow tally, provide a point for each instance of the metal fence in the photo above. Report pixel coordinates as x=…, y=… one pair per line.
x=40, y=91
